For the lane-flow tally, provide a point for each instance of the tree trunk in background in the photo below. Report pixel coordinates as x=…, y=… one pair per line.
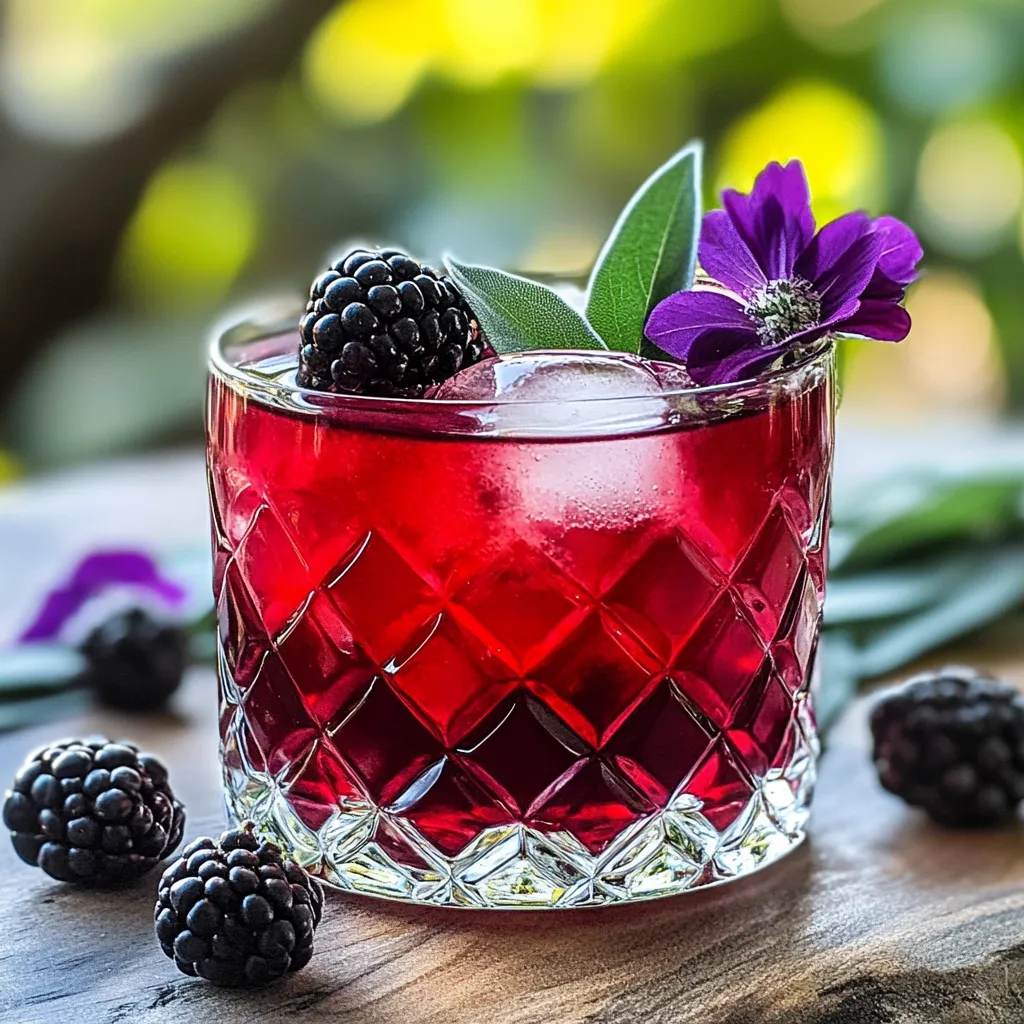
x=59, y=238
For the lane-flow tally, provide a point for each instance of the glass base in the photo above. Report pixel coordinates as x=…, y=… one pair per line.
x=366, y=850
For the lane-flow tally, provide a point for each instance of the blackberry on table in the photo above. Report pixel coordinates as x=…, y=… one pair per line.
x=380, y=323
x=92, y=811
x=135, y=663
x=952, y=743
x=236, y=912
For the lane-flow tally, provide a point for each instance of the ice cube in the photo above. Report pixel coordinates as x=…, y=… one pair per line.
x=562, y=376
x=607, y=472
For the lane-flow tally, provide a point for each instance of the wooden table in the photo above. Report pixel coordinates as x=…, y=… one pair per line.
x=878, y=919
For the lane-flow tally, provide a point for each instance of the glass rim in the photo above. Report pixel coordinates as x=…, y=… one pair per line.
x=271, y=320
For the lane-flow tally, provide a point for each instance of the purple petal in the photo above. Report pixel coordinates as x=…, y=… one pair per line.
x=723, y=356
x=725, y=257
x=830, y=244
x=882, y=321
x=775, y=220
x=901, y=251
x=789, y=185
x=93, y=574
x=884, y=288
x=842, y=284
x=676, y=322
x=60, y=606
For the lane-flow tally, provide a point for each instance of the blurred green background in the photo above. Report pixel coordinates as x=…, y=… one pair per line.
x=165, y=159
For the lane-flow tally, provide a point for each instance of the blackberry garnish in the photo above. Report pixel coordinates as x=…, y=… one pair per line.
x=134, y=662
x=235, y=912
x=92, y=811
x=952, y=743
x=380, y=323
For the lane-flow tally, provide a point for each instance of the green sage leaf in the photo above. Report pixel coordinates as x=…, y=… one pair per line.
x=651, y=252
x=517, y=314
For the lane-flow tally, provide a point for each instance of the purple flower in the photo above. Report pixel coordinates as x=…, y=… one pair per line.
x=91, y=576
x=780, y=285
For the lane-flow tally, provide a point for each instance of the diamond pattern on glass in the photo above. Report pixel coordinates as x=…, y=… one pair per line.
x=241, y=646
x=475, y=679
x=272, y=568
x=794, y=651
x=752, y=841
x=448, y=808
x=671, y=853
x=514, y=867
x=239, y=505
x=318, y=647
x=591, y=802
x=493, y=752
x=593, y=558
x=769, y=571
x=762, y=725
x=662, y=595
x=721, y=785
x=720, y=661
x=521, y=601
x=389, y=853
x=577, y=754
x=660, y=743
x=275, y=715
x=594, y=677
x=389, y=863
x=386, y=602
x=384, y=743
x=318, y=784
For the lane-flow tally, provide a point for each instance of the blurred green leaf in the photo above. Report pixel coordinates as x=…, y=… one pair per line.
x=650, y=253
x=882, y=595
x=517, y=314
x=838, y=659
x=946, y=513
x=53, y=707
x=995, y=586
x=31, y=670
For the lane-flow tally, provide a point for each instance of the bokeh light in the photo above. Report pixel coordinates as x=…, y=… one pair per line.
x=360, y=73
x=8, y=467
x=953, y=349
x=836, y=135
x=564, y=250
x=80, y=70
x=682, y=30
x=969, y=186
x=949, y=364
x=837, y=25
x=194, y=230
x=938, y=56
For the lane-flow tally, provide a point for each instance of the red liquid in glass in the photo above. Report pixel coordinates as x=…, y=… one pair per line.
x=472, y=632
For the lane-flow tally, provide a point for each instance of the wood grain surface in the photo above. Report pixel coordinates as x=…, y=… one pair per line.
x=878, y=919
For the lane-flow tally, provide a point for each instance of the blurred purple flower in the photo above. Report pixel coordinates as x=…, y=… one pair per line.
x=94, y=574
x=782, y=285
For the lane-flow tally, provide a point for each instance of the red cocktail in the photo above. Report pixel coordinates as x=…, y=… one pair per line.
x=495, y=653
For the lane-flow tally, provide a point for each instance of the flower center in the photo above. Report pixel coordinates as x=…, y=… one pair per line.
x=783, y=308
